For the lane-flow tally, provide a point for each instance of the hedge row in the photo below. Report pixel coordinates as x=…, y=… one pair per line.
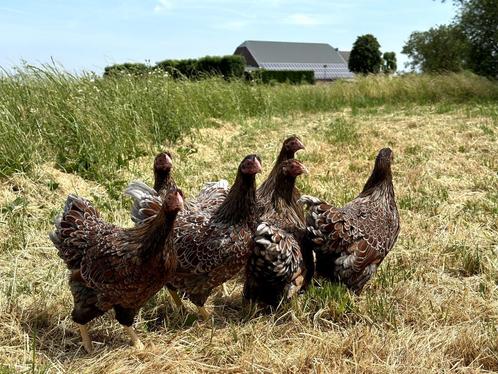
x=127, y=68
x=285, y=76
x=226, y=66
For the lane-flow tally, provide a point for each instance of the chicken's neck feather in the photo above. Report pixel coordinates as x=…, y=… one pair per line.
x=150, y=237
x=162, y=180
x=268, y=185
x=239, y=205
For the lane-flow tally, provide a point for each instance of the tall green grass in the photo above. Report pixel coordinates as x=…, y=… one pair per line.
x=94, y=126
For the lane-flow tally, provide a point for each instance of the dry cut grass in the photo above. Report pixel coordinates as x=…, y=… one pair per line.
x=433, y=306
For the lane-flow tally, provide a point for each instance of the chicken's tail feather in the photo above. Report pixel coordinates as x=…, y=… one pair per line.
x=72, y=233
x=211, y=186
x=309, y=201
x=146, y=202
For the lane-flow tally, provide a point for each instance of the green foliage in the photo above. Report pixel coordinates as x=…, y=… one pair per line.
x=478, y=20
x=389, y=65
x=287, y=76
x=333, y=299
x=137, y=69
x=342, y=131
x=232, y=66
x=380, y=307
x=209, y=65
x=439, y=49
x=7, y=370
x=226, y=66
x=468, y=260
x=179, y=68
x=94, y=126
x=470, y=42
x=365, y=57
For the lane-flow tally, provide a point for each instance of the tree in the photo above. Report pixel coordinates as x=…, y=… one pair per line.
x=389, y=64
x=365, y=56
x=478, y=20
x=442, y=48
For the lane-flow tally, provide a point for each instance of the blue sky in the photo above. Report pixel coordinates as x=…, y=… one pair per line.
x=88, y=35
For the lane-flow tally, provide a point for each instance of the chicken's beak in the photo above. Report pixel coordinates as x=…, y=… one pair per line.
x=168, y=159
x=167, y=162
x=302, y=170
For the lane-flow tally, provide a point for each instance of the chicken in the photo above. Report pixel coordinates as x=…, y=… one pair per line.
x=279, y=266
x=144, y=196
x=112, y=267
x=351, y=242
x=163, y=181
x=289, y=148
x=212, y=246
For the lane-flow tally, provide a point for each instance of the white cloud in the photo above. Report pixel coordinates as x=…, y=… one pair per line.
x=303, y=20
x=163, y=5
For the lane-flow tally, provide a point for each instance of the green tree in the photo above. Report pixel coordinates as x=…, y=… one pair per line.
x=365, y=55
x=442, y=48
x=478, y=20
x=389, y=64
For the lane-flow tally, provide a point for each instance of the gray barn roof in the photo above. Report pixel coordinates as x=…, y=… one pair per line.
x=345, y=55
x=324, y=60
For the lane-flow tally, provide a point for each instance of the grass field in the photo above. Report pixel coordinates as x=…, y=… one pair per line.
x=432, y=307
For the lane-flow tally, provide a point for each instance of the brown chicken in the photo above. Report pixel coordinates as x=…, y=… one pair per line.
x=289, y=148
x=213, y=245
x=351, y=242
x=112, y=267
x=163, y=164
x=278, y=266
x=146, y=200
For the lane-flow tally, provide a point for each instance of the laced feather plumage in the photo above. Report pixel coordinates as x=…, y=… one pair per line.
x=113, y=267
x=213, y=245
x=351, y=242
x=279, y=266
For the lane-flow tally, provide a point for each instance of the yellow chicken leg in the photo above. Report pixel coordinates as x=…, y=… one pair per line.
x=203, y=312
x=176, y=298
x=135, y=340
x=85, y=338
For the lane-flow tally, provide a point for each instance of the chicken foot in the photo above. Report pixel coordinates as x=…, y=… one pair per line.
x=85, y=338
x=203, y=312
x=176, y=298
x=135, y=340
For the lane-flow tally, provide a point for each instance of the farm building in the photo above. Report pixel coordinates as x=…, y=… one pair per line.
x=345, y=55
x=326, y=62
